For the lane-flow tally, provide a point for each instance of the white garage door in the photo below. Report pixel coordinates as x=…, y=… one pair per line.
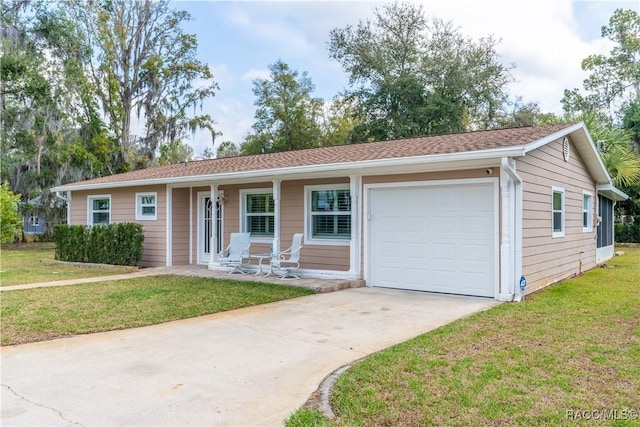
x=433, y=238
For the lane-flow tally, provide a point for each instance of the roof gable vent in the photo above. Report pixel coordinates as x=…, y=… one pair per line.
x=566, y=148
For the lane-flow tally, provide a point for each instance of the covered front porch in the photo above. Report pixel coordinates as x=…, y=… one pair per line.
x=201, y=220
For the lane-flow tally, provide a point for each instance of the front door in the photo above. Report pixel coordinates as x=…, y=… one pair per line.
x=210, y=215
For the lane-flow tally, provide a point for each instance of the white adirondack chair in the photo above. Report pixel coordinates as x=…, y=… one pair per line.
x=287, y=262
x=236, y=252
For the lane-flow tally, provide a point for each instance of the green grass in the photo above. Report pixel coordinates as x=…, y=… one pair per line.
x=574, y=346
x=34, y=263
x=46, y=313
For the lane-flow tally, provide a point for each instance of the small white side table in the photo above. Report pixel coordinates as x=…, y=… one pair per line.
x=260, y=258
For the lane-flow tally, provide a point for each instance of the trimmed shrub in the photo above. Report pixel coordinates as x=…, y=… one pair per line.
x=627, y=232
x=71, y=242
x=116, y=244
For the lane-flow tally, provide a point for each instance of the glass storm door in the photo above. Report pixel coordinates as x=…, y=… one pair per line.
x=207, y=227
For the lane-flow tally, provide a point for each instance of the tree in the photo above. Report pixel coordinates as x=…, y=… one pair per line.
x=175, y=152
x=143, y=64
x=610, y=98
x=614, y=80
x=413, y=77
x=516, y=114
x=287, y=115
x=338, y=122
x=613, y=142
x=227, y=149
x=10, y=221
x=46, y=137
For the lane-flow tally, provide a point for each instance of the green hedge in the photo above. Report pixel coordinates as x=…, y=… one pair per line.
x=116, y=244
x=627, y=233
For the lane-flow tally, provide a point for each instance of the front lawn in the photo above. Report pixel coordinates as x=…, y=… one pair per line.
x=47, y=313
x=570, y=352
x=34, y=263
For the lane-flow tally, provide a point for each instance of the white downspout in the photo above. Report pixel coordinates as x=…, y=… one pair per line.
x=513, y=251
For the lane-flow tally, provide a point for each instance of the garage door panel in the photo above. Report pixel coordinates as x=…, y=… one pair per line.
x=469, y=253
x=443, y=252
x=442, y=223
x=442, y=238
x=474, y=224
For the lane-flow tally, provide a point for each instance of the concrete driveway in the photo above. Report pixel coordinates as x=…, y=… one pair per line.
x=251, y=366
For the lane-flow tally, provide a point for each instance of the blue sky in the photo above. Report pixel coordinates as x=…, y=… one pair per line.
x=546, y=40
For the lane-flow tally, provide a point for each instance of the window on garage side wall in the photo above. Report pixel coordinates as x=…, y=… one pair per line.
x=587, y=211
x=557, y=211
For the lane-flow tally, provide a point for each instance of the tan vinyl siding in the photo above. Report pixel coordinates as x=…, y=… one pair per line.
x=321, y=257
x=123, y=205
x=180, y=227
x=545, y=259
x=313, y=256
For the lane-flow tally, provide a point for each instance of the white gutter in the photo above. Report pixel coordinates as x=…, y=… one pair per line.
x=269, y=173
x=511, y=250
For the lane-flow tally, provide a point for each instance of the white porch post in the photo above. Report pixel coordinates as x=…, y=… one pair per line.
x=276, y=216
x=169, y=228
x=355, y=184
x=213, y=256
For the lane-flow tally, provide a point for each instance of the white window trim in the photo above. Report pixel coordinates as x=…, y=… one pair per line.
x=34, y=221
x=308, y=233
x=90, y=200
x=243, y=208
x=589, y=227
x=557, y=234
x=146, y=217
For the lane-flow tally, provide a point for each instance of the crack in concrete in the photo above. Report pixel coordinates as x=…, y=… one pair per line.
x=40, y=405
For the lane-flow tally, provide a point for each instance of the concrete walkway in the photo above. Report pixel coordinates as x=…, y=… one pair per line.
x=248, y=367
x=317, y=285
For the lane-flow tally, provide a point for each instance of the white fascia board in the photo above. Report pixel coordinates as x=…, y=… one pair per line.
x=612, y=193
x=550, y=138
x=496, y=153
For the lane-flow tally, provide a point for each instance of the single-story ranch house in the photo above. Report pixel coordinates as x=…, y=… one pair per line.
x=466, y=213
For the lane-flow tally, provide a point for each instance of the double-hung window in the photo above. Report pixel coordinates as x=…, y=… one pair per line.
x=328, y=215
x=99, y=210
x=146, y=206
x=557, y=211
x=587, y=211
x=258, y=213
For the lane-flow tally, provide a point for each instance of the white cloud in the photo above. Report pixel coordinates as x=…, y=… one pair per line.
x=546, y=40
x=223, y=76
x=268, y=28
x=540, y=38
x=254, y=74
